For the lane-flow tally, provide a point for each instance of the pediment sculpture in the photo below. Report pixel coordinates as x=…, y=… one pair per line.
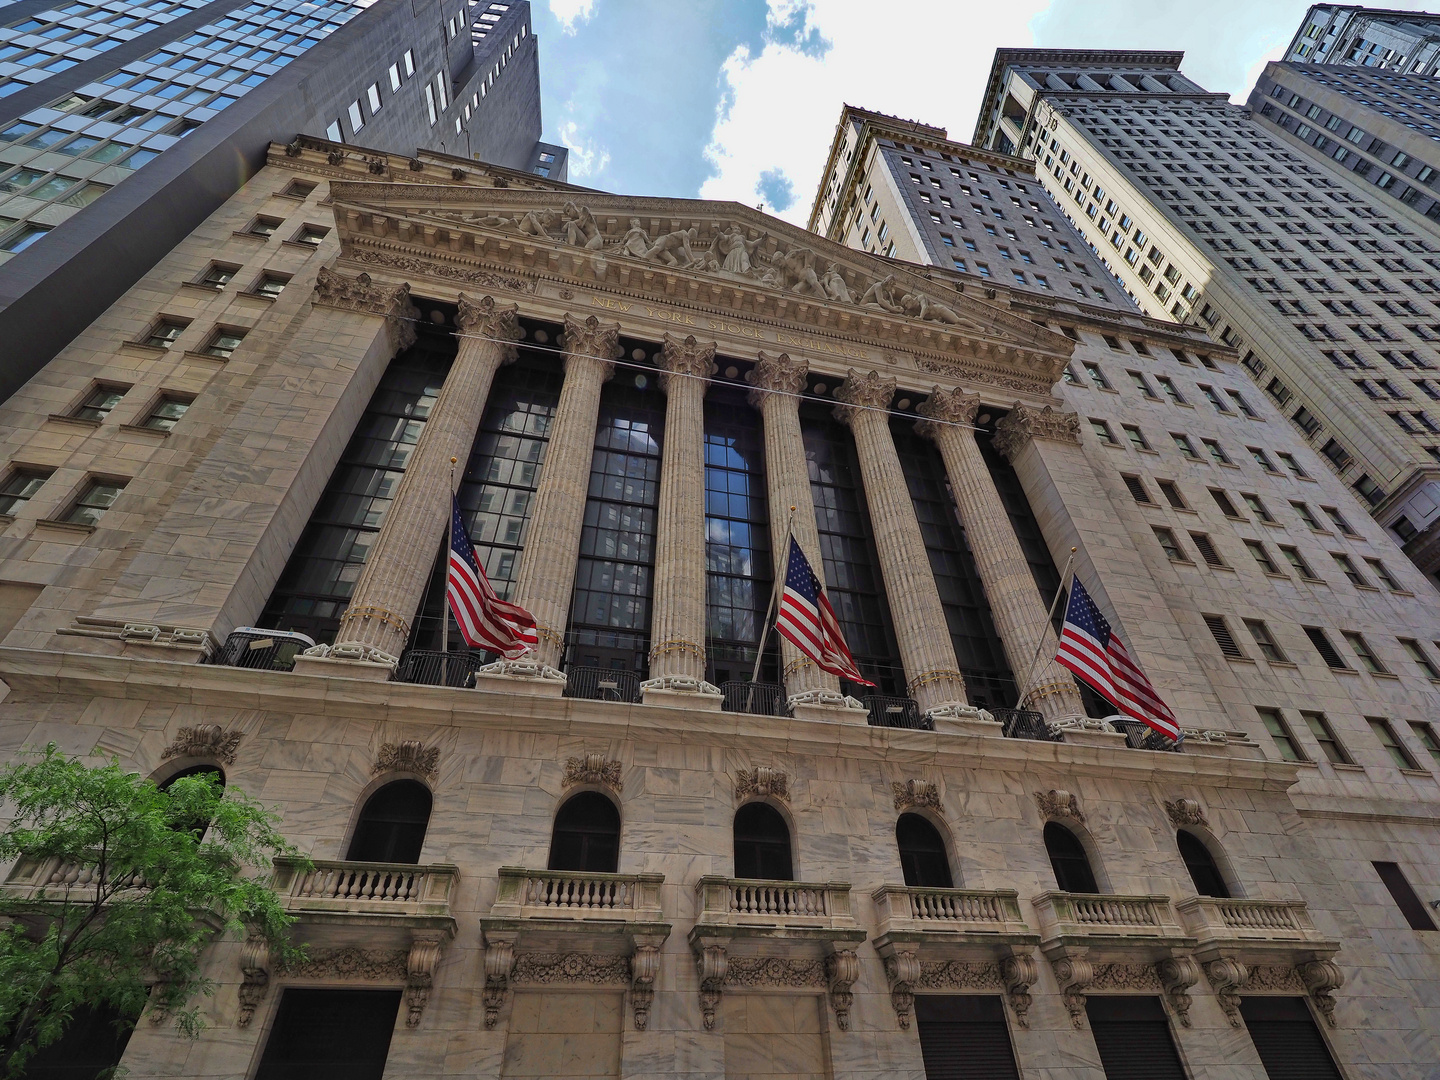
x=732, y=252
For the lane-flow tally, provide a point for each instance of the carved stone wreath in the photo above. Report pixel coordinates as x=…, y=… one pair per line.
x=593, y=769
x=762, y=781
x=205, y=741
x=959, y=975
x=409, y=756
x=1059, y=803
x=545, y=969
x=755, y=971
x=1186, y=812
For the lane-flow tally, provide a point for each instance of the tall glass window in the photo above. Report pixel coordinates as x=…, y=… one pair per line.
x=610, y=612
x=737, y=539
x=497, y=490
x=317, y=582
x=851, y=568
x=978, y=648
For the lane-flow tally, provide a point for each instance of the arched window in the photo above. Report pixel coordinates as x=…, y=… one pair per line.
x=1202, y=866
x=1069, y=861
x=196, y=825
x=922, y=854
x=587, y=835
x=392, y=824
x=762, y=844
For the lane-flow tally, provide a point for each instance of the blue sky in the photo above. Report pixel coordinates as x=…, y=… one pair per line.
x=738, y=99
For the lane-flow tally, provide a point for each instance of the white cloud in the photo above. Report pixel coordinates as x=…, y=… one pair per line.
x=1275, y=52
x=569, y=13
x=586, y=157
x=920, y=61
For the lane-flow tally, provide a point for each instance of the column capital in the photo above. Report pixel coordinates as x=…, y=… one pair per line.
x=947, y=407
x=485, y=318
x=857, y=392
x=1025, y=422
x=360, y=293
x=777, y=373
x=590, y=337
x=685, y=358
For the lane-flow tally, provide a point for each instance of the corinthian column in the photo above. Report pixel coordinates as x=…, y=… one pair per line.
x=932, y=675
x=677, y=621
x=552, y=539
x=376, y=625
x=778, y=381
x=1020, y=614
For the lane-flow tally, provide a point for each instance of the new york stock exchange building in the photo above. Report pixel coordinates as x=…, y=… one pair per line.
x=624, y=854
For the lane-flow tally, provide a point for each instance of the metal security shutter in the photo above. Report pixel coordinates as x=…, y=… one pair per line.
x=964, y=1037
x=1285, y=1035
x=1133, y=1037
x=330, y=1035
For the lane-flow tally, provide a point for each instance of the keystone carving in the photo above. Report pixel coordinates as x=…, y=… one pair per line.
x=1186, y=812
x=1018, y=972
x=410, y=756
x=204, y=741
x=1024, y=423
x=859, y=392
x=593, y=769
x=776, y=373
x=842, y=968
x=1177, y=975
x=916, y=793
x=1059, y=803
x=1227, y=978
x=685, y=358
x=763, y=782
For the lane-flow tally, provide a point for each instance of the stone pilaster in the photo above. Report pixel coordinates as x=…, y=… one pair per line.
x=677, y=622
x=932, y=675
x=546, y=577
x=376, y=625
x=1020, y=614
x=778, y=381
x=392, y=303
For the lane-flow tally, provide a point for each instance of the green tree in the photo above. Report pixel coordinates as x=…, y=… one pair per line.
x=153, y=877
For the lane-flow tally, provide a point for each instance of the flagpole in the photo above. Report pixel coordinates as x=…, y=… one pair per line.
x=445, y=607
x=1049, y=618
x=770, y=608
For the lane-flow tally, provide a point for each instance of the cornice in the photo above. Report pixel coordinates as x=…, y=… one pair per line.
x=37, y=675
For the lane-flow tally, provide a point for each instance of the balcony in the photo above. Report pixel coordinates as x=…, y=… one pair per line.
x=949, y=938
x=373, y=895
x=899, y=712
x=775, y=934
x=267, y=650
x=572, y=926
x=1088, y=920
x=756, y=698
x=62, y=880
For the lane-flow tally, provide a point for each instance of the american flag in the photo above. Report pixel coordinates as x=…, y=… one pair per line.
x=808, y=622
x=485, y=621
x=1095, y=653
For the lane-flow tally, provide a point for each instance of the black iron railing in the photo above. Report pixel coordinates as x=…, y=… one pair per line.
x=1140, y=736
x=266, y=650
x=602, y=684
x=1024, y=724
x=759, y=698
x=431, y=667
x=901, y=712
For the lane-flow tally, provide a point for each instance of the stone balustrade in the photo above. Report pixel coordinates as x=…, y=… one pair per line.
x=740, y=902
x=1214, y=921
x=1076, y=917
x=56, y=876
x=365, y=888
x=983, y=911
x=563, y=894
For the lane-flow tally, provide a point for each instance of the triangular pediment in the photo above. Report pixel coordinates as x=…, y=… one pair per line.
x=723, y=251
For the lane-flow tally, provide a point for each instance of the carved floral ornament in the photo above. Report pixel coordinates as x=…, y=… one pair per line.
x=505, y=969
x=762, y=782
x=1060, y=805
x=204, y=741
x=593, y=769
x=410, y=756
x=913, y=793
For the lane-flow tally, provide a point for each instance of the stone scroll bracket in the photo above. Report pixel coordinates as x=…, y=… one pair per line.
x=1013, y=973
x=1075, y=976
x=499, y=964
x=1318, y=979
x=902, y=971
x=1019, y=972
x=1227, y=978
x=1177, y=975
x=842, y=969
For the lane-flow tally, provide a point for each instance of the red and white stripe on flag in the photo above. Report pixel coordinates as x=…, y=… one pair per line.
x=486, y=621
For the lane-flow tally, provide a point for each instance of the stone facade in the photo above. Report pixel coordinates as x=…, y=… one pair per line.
x=671, y=966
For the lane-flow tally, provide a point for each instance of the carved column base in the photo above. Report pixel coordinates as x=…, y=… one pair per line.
x=681, y=691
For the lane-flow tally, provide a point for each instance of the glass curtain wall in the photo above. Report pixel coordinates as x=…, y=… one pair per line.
x=610, y=610
x=978, y=648
x=850, y=567
x=497, y=490
x=316, y=584
x=737, y=540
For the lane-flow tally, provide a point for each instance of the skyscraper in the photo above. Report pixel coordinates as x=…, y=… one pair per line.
x=122, y=125
x=1326, y=289
x=905, y=190
x=1357, y=36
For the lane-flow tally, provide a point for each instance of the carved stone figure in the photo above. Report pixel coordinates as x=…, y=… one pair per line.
x=920, y=306
x=636, y=240
x=798, y=265
x=835, y=286
x=881, y=295
x=580, y=228
x=673, y=249
x=735, y=250
x=538, y=223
